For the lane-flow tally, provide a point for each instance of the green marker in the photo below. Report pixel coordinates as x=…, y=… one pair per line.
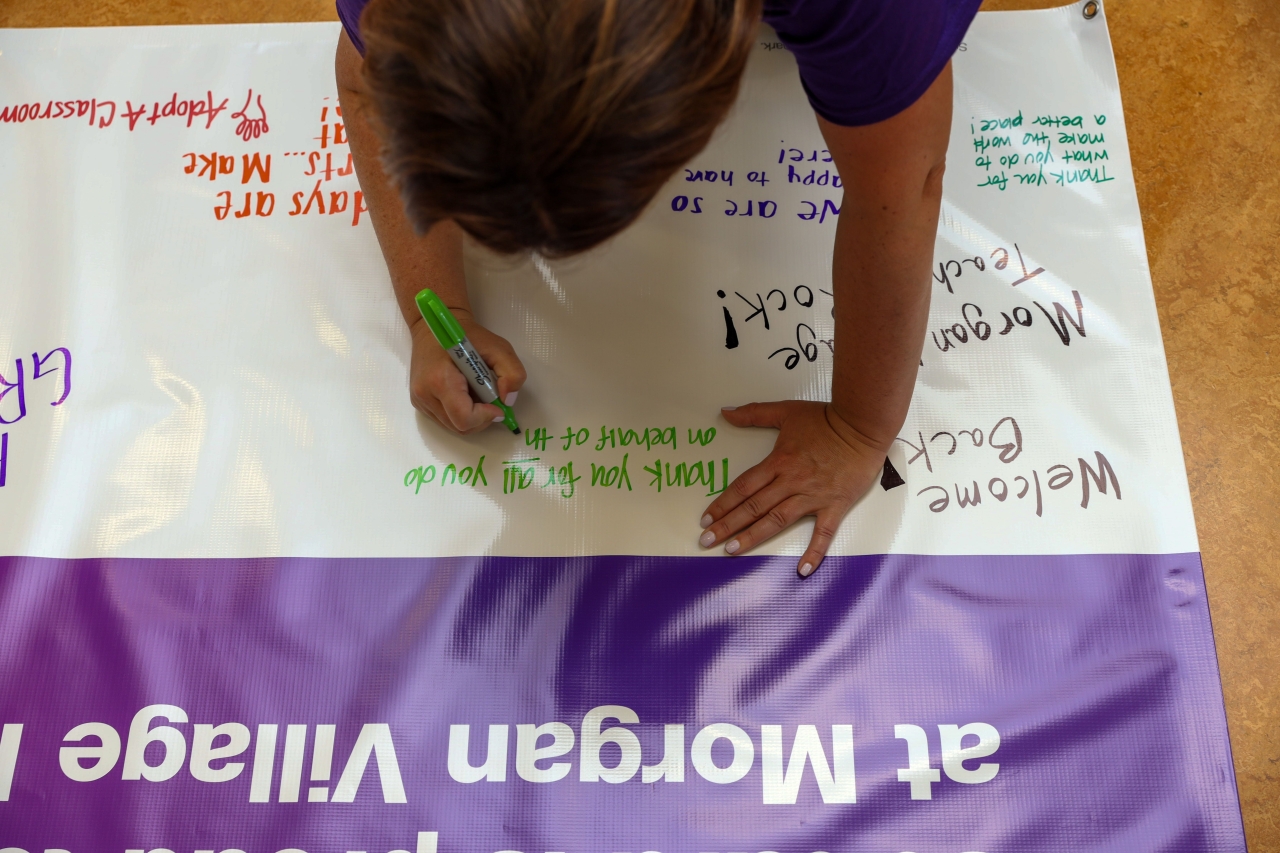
x=448, y=332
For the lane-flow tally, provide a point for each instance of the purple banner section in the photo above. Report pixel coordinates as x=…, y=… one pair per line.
x=613, y=705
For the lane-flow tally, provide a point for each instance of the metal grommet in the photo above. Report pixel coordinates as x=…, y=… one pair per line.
x=1090, y=10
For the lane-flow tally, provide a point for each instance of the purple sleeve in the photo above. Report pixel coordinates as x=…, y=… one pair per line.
x=349, y=13
x=863, y=61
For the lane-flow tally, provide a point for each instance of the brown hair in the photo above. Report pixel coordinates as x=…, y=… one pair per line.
x=547, y=124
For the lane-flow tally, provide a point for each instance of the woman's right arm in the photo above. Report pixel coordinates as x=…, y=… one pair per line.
x=432, y=260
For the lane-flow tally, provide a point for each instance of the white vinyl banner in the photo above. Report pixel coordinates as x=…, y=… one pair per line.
x=201, y=354
x=201, y=357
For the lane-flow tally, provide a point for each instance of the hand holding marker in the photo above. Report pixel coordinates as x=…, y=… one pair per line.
x=448, y=332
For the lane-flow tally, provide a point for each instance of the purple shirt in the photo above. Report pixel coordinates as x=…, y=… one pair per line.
x=861, y=61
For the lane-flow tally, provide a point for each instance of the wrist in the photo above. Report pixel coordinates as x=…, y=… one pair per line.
x=420, y=331
x=845, y=426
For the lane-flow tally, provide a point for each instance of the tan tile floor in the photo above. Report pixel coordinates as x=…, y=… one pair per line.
x=1201, y=87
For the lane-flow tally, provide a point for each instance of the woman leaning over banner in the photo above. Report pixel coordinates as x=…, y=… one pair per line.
x=550, y=125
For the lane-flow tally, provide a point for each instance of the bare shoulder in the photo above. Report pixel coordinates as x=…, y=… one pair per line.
x=347, y=66
x=888, y=151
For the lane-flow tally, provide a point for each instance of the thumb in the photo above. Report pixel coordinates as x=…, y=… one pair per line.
x=508, y=369
x=756, y=415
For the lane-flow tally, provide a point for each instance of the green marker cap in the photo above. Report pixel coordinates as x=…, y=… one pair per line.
x=444, y=325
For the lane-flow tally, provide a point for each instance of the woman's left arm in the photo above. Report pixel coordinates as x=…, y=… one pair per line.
x=827, y=455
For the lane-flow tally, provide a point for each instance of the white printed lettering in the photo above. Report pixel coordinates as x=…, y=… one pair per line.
x=10, y=738
x=203, y=752
x=141, y=734
x=672, y=765
x=321, y=763
x=295, y=750
x=375, y=739
x=954, y=755
x=495, y=762
x=782, y=789
x=528, y=753
x=593, y=739
x=264, y=762
x=744, y=753
x=918, y=771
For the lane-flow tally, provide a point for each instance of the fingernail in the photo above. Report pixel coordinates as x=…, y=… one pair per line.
x=510, y=399
x=728, y=408
x=706, y=539
x=498, y=419
x=806, y=569
x=706, y=521
x=732, y=547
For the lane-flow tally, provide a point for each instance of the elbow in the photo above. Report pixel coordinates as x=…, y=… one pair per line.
x=933, y=179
